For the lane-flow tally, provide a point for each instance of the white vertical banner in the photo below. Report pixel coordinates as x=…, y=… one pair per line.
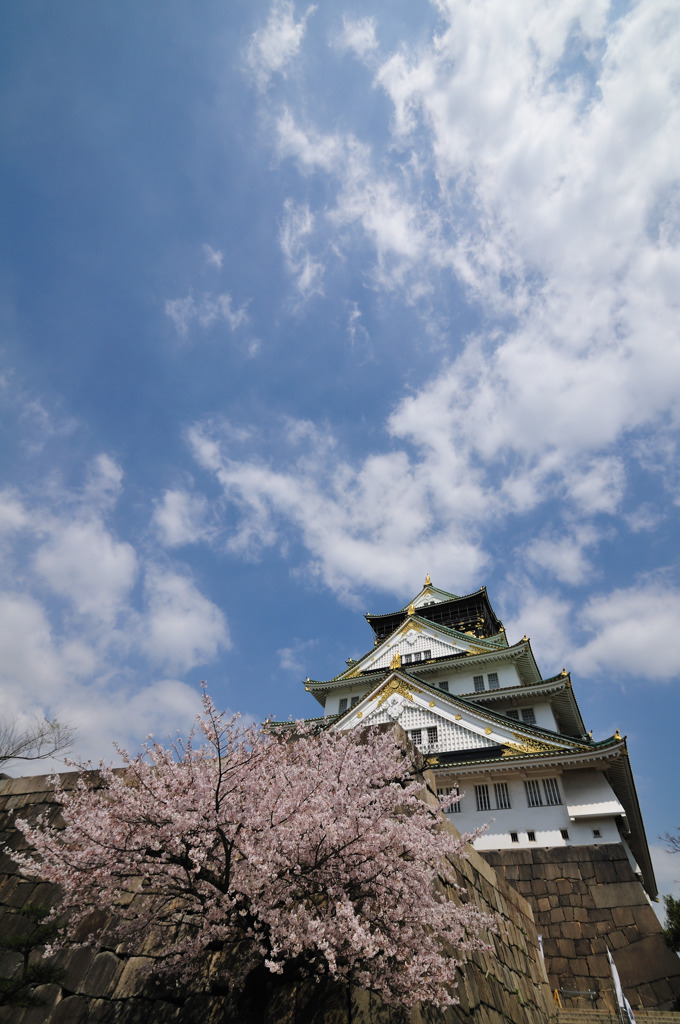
x=620, y=998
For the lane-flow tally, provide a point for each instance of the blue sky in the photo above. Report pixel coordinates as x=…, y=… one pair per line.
x=300, y=303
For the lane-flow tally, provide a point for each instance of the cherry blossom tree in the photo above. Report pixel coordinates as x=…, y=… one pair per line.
x=307, y=853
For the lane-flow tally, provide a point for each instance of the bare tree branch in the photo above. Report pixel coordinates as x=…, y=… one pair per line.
x=45, y=738
x=672, y=841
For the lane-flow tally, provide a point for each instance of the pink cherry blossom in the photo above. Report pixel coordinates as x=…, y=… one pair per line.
x=302, y=849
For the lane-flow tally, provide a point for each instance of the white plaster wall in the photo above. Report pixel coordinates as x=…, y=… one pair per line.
x=546, y=821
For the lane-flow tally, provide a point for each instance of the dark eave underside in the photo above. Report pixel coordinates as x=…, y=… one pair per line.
x=472, y=614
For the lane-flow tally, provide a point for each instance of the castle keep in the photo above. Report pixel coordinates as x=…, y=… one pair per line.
x=511, y=749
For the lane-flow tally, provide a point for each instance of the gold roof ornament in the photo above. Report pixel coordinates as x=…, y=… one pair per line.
x=396, y=660
x=428, y=581
x=412, y=608
x=564, y=671
x=617, y=735
x=525, y=638
x=395, y=686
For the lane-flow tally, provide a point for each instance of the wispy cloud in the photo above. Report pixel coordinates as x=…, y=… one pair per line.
x=213, y=257
x=274, y=45
x=206, y=311
x=78, y=638
x=357, y=35
x=297, y=227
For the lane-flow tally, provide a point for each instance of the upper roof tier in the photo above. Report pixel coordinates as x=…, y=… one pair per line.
x=471, y=614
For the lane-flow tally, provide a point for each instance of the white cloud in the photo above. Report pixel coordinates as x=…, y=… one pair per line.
x=181, y=518
x=13, y=516
x=357, y=35
x=104, y=483
x=206, y=311
x=294, y=658
x=125, y=717
x=83, y=562
x=357, y=333
x=275, y=45
x=311, y=150
x=564, y=555
x=297, y=227
x=370, y=524
x=630, y=628
x=30, y=664
x=645, y=517
x=182, y=628
x=548, y=132
x=213, y=257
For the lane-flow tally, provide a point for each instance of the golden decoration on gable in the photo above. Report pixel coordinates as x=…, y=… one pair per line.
x=431, y=703
x=396, y=660
x=394, y=686
x=416, y=627
x=488, y=730
x=527, y=746
x=428, y=581
x=412, y=608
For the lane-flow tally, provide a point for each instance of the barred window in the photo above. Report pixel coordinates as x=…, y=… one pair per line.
x=343, y=705
x=502, y=795
x=514, y=838
x=355, y=700
x=533, y=789
x=427, y=655
x=407, y=659
x=432, y=734
x=493, y=680
x=482, y=798
x=416, y=736
x=417, y=656
x=513, y=713
x=453, y=808
x=531, y=836
x=552, y=792
x=528, y=716
x=564, y=832
x=444, y=685
x=479, y=683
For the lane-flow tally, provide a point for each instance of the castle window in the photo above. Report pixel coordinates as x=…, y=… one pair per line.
x=355, y=700
x=416, y=736
x=514, y=838
x=513, y=713
x=427, y=655
x=531, y=836
x=479, y=683
x=444, y=685
x=493, y=680
x=407, y=659
x=528, y=716
x=533, y=789
x=450, y=791
x=500, y=790
x=482, y=798
x=597, y=834
x=564, y=832
x=431, y=734
x=552, y=792
x=417, y=656
x=343, y=705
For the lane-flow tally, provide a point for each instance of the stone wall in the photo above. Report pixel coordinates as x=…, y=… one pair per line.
x=508, y=987
x=584, y=897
